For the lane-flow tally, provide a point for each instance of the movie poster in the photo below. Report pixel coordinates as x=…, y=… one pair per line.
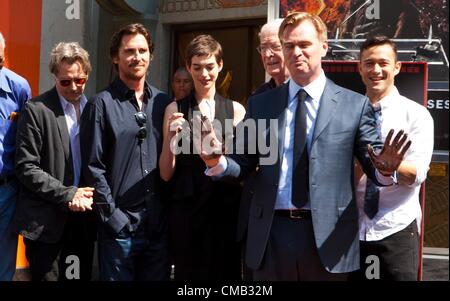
x=358, y=19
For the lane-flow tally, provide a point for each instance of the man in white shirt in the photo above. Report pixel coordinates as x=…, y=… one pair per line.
x=391, y=231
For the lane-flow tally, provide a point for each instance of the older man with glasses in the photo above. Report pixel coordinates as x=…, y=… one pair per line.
x=54, y=206
x=273, y=61
x=121, y=134
x=271, y=56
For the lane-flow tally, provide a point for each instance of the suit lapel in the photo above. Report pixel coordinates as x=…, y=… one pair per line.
x=327, y=107
x=55, y=105
x=276, y=109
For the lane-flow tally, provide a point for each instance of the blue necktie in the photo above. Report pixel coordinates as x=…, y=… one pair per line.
x=300, y=176
x=372, y=195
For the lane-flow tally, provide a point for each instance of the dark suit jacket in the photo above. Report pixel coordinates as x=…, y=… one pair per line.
x=345, y=124
x=44, y=169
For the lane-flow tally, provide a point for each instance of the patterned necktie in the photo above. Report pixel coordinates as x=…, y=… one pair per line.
x=300, y=176
x=372, y=195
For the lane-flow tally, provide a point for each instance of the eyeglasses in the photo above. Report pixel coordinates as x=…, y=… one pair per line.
x=141, y=119
x=262, y=49
x=67, y=82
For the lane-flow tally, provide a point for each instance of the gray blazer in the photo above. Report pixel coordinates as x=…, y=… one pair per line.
x=345, y=124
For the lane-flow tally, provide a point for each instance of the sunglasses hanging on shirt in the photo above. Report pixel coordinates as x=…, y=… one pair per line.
x=141, y=119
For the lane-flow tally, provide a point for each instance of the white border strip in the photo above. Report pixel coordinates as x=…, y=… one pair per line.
x=442, y=257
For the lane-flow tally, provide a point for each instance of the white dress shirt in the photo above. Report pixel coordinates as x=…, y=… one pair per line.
x=399, y=204
x=73, y=128
x=315, y=90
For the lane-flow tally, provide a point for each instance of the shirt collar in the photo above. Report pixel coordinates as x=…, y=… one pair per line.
x=65, y=103
x=314, y=88
x=124, y=91
x=4, y=85
x=389, y=99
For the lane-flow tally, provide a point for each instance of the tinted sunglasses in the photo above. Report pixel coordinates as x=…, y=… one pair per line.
x=67, y=82
x=141, y=119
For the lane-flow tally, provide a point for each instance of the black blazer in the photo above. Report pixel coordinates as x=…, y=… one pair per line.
x=44, y=168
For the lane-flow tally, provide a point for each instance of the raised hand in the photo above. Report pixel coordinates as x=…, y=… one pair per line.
x=206, y=143
x=176, y=123
x=389, y=158
x=178, y=128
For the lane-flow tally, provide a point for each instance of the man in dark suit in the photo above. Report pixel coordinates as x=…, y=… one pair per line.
x=303, y=222
x=271, y=56
x=52, y=202
x=273, y=61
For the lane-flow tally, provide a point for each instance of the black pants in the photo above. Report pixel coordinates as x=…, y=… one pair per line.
x=203, y=243
x=398, y=255
x=48, y=260
x=247, y=273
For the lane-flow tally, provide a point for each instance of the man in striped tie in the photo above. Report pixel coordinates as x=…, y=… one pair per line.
x=390, y=216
